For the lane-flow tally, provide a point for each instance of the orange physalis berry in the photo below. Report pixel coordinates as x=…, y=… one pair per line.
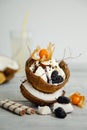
x=44, y=53
x=75, y=98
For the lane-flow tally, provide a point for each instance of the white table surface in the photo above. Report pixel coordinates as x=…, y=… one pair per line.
x=76, y=120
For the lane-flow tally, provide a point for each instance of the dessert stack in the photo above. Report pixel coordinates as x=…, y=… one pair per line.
x=46, y=77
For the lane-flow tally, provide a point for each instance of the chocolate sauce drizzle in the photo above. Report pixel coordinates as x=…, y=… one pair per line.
x=44, y=67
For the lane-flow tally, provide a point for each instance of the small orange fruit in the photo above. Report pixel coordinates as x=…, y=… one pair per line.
x=75, y=98
x=44, y=53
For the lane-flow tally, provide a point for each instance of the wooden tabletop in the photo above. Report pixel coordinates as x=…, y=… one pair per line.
x=75, y=120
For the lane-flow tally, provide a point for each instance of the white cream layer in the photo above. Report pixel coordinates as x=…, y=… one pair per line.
x=6, y=62
x=41, y=72
x=41, y=95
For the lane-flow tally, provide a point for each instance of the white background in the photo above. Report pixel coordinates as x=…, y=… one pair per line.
x=63, y=22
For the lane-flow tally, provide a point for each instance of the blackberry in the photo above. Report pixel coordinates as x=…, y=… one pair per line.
x=60, y=113
x=54, y=75
x=57, y=79
x=63, y=100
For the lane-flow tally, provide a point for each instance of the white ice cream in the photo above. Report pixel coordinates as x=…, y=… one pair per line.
x=48, y=71
x=55, y=66
x=32, y=67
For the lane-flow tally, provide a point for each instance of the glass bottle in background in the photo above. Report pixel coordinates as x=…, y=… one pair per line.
x=20, y=47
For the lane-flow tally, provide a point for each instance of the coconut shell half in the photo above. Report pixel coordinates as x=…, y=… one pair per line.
x=7, y=75
x=8, y=67
x=38, y=97
x=38, y=83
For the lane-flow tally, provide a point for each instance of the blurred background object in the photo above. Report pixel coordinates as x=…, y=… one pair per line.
x=20, y=42
x=61, y=22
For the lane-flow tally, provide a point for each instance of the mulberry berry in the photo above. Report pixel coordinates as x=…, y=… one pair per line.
x=60, y=113
x=63, y=100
